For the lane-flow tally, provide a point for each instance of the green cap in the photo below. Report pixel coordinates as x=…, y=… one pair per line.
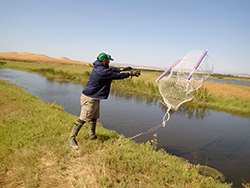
x=103, y=56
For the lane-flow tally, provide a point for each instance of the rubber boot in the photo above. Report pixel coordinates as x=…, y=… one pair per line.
x=72, y=138
x=92, y=126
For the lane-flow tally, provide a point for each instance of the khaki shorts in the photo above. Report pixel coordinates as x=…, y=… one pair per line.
x=90, y=108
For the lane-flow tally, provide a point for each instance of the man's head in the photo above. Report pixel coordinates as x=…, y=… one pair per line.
x=105, y=59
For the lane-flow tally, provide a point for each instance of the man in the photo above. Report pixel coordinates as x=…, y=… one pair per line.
x=98, y=87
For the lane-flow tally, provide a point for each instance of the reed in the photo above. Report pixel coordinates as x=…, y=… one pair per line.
x=203, y=95
x=139, y=87
x=2, y=62
x=231, y=104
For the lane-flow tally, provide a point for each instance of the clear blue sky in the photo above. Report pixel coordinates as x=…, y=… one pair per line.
x=139, y=32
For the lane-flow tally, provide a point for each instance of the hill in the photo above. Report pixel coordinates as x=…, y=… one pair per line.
x=25, y=56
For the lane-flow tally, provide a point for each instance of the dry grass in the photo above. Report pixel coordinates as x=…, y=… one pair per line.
x=29, y=57
x=227, y=89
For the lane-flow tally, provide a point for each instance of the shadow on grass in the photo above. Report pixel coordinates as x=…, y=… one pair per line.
x=106, y=137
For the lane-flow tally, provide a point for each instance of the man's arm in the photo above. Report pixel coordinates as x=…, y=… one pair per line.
x=126, y=69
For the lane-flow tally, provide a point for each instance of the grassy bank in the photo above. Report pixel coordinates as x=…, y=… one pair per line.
x=34, y=152
x=208, y=96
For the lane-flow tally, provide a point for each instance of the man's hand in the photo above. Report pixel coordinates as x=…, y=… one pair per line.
x=136, y=73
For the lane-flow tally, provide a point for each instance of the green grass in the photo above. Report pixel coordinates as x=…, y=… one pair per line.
x=144, y=85
x=2, y=62
x=234, y=105
x=34, y=152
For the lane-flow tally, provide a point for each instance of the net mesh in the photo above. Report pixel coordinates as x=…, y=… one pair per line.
x=175, y=91
x=175, y=88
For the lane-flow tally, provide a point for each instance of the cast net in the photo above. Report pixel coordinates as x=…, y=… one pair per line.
x=186, y=76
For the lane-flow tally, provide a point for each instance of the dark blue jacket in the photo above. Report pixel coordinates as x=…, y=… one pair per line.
x=100, y=80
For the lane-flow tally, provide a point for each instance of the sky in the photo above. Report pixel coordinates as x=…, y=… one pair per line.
x=152, y=33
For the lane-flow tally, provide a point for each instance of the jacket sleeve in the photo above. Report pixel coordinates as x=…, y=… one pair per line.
x=115, y=69
x=114, y=75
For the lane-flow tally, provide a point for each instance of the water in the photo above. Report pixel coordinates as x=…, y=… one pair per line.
x=219, y=140
x=227, y=81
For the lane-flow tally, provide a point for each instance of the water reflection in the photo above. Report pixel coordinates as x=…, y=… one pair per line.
x=128, y=96
x=193, y=112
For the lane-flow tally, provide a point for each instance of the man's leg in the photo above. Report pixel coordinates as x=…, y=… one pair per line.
x=92, y=126
x=92, y=123
x=72, y=138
